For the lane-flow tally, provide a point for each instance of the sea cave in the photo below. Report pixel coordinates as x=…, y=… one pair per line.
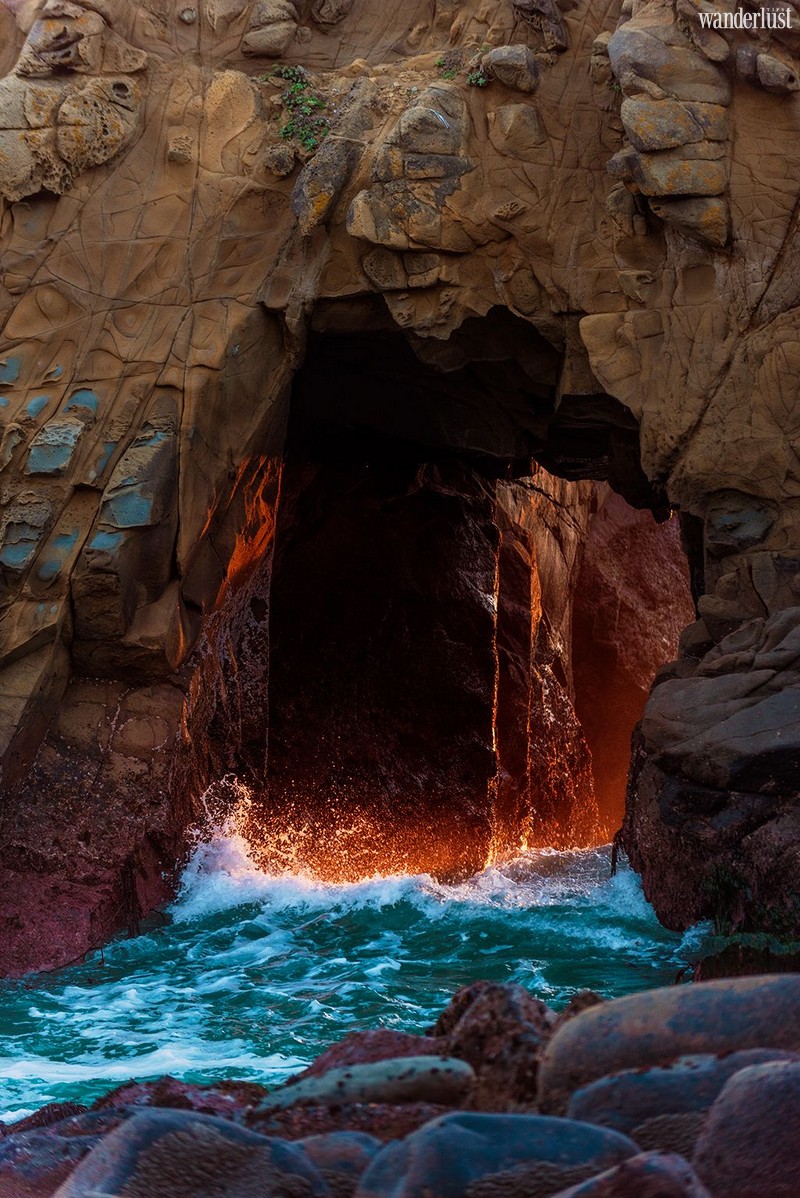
x=399, y=599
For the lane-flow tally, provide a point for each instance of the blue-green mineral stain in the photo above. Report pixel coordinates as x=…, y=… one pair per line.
x=58, y=551
x=129, y=509
x=34, y=407
x=17, y=555
x=105, y=456
x=105, y=542
x=19, y=546
x=156, y=438
x=53, y=446
x=48, y=569
x=9, y=371
x=85, y=399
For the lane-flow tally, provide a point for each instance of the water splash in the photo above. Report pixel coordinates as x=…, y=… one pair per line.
x=252, y=972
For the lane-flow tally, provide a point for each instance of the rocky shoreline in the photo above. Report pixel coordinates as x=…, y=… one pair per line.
x=683, y=1092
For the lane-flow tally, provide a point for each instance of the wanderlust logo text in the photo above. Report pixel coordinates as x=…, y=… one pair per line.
x=764, y=19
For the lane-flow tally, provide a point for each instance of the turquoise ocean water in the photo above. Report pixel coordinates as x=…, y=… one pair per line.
x=251, y=975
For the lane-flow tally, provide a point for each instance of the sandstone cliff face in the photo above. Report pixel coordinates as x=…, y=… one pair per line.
x=577, y=221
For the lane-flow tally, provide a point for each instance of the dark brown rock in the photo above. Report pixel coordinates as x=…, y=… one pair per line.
x=749, y=1145
x=171, y=1154
x=655, y=1027
x=500, y=1031
x=711, y=821
x=478, y=1156
x=404, y=753
x=652, y=1175
x=382, y=1044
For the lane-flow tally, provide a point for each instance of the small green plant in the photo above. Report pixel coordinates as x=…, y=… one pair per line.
x=291, y=74
x=477, y=78
x=449, y=64
x=306, y=123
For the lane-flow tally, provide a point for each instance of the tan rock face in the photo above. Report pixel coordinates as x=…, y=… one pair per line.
x=173, y=228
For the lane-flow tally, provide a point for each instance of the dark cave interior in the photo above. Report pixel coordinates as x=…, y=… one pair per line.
x=436, y=678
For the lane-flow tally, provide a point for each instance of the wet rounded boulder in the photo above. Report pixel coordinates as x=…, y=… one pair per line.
x=175, y=1154
x=657, y=1026
x=750, y=1145
x=651, y=1175
x=484, y=1156
x=664, y=1108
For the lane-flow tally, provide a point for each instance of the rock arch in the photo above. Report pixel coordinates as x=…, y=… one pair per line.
x=163, y=270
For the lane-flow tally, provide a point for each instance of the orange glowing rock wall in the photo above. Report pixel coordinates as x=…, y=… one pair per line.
x=632, y=601
x=545, y=791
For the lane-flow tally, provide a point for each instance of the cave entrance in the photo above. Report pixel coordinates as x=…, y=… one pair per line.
x=460, y=641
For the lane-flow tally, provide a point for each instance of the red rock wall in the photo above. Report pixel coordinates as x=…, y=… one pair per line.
x=632, y=601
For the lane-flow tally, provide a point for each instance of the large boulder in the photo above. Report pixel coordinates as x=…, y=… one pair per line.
x=749, y=1146
x=664, y=1107
x=656, y=1026
x=172, y=1154
x=482, y=1155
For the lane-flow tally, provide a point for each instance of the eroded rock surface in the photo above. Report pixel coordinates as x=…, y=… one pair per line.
x=578, y=220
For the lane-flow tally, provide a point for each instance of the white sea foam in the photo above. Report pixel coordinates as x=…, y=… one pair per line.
x=256, y=972
x=222, y=875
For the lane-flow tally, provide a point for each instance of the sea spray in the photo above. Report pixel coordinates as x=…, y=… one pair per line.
x=251, y=974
